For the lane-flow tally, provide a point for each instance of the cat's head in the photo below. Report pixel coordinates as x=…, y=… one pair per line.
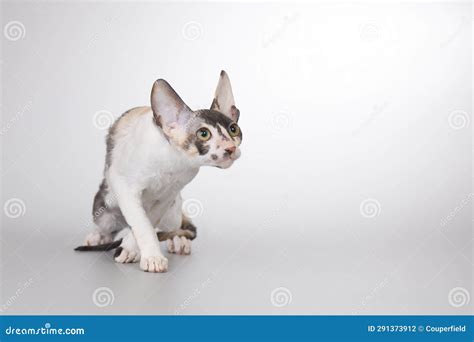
x=207, y=136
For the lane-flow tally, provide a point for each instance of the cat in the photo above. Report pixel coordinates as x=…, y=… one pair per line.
x=152, y=153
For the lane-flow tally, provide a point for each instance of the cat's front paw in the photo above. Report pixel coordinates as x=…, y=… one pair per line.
x=154, y=263
x=128, y=250
x=179, y=245
x=124, y=255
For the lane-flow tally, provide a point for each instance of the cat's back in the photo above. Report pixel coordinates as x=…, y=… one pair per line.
x=126, y=130
x=129, y=119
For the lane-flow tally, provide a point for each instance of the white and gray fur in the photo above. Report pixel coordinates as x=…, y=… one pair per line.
x=152, y=153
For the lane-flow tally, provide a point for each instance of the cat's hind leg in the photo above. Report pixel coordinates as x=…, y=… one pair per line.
x=179, y=240
x=176, y=229
x=95, y=238
x=107, y=218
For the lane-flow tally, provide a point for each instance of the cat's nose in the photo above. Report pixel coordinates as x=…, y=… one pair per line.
x=230, y=150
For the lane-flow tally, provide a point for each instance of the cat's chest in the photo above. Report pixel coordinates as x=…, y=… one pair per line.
x=167, y=184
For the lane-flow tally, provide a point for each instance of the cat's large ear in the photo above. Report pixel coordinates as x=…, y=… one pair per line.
x=224, y=99
x=167, y=106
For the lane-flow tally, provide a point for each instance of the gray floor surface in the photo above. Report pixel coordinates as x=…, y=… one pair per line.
x=248, y=273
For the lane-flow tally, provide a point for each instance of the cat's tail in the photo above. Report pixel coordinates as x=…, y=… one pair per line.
x=99, y=248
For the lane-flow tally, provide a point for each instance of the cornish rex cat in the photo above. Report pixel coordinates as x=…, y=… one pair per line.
x=152, y=153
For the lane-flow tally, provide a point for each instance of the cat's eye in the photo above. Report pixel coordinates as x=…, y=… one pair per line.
x=234, y=130
x=203, y=134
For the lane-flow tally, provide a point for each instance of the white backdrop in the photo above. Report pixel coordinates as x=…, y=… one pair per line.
x=356, y=153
